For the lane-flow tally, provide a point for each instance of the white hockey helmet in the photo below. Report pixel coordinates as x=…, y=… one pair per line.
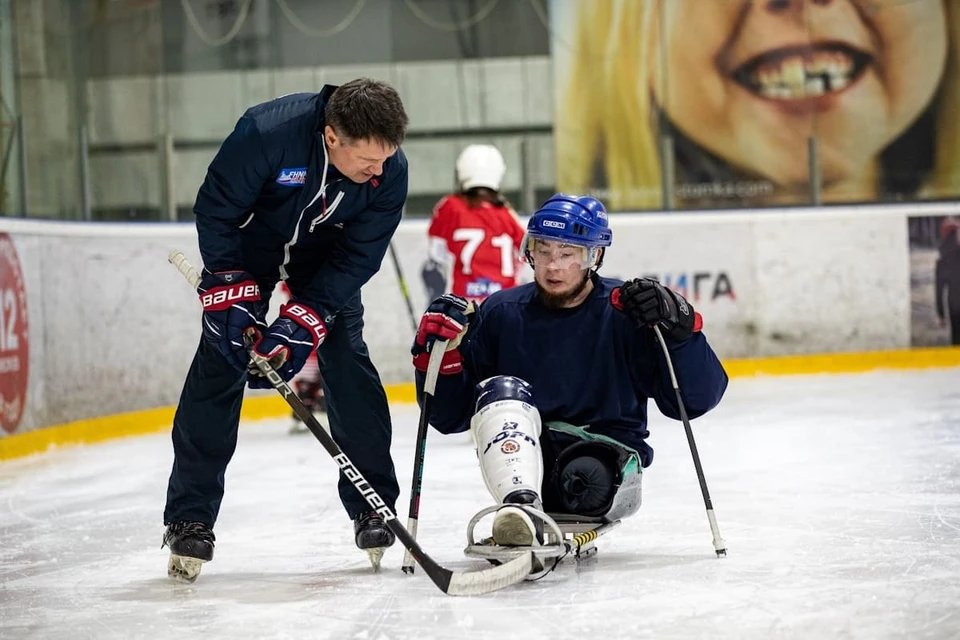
x=480, y=165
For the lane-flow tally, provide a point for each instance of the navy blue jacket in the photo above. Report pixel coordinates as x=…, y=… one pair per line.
x=588, y=366
x=273, y=206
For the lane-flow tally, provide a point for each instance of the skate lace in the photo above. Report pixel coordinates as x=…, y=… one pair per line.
x=196, y=530
x=367, y=518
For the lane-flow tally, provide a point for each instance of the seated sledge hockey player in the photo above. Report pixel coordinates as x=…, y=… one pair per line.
x=552, y=377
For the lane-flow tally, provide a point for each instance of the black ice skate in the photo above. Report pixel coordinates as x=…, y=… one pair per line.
x=191, y=544
x=372, y=535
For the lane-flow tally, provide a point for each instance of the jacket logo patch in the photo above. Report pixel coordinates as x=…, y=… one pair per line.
x=292, y=177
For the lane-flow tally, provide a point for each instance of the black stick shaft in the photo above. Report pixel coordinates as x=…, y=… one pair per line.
x=439, y=575
x=718, y=543
x=403, y=287
x=420, y=452
x=450, y=582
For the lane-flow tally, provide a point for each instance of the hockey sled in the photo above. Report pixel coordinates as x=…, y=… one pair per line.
x=564, y=535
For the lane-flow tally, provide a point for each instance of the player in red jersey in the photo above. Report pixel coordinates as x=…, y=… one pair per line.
x=474, y=235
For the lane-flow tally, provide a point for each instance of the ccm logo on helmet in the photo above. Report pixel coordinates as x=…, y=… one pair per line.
x=554, y=224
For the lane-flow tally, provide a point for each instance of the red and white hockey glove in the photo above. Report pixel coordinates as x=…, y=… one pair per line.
x=445, y=319
x=231, y=307
x=288, y=342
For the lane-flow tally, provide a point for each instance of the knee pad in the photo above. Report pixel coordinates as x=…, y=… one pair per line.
x=598, y=479
x=506, y=431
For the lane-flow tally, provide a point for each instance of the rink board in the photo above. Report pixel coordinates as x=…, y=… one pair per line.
x=112, y=327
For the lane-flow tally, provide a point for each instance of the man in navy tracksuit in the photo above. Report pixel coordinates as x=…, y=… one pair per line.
x=553, y=377
x=309, y=189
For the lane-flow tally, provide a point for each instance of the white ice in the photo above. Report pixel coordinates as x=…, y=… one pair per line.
x=838, y=498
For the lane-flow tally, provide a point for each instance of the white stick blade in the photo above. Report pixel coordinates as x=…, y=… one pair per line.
x=408, y=561
x=473, y=583
x=433, y=366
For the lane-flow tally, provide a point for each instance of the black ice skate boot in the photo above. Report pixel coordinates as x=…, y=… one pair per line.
x=372, y=535
x=191, y=544
x=514, y=526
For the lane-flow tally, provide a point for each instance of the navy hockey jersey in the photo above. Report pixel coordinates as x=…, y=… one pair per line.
x=588, y=366
x=272, y=205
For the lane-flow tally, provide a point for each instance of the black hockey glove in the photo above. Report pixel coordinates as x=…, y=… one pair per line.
x=231, y=307
x=648, y=302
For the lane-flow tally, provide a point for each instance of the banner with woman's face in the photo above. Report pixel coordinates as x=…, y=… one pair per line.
x=727, y=103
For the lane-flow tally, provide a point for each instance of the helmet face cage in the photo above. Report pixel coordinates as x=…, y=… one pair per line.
x=585, y=257
x=578, y=221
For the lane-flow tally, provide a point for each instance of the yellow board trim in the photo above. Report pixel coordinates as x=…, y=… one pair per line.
x=137, y=423
x=921, y=358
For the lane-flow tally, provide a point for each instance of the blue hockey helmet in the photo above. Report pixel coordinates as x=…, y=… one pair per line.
x=572, y=220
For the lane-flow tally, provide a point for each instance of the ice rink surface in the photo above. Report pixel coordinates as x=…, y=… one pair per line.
x=838, y=497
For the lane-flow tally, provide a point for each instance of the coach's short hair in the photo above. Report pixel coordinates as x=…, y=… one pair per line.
x=368, y=109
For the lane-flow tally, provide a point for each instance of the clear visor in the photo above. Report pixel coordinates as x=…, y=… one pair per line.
x=557, y=255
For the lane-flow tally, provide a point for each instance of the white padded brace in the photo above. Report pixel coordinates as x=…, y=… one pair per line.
x=507, y=436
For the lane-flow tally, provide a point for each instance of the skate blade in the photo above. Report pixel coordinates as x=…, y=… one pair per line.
x=513, y=528
x=376, y=554
x=539, y=567
x=184, y=568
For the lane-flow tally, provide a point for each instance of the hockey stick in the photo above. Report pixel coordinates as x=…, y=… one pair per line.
x=403, y=287
x=420, y=451
x=455, y=583
x=718, y=544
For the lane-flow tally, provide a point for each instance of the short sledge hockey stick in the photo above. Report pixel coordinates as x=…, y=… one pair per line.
x=455, y=583
x=420, y=451
x=718, y=544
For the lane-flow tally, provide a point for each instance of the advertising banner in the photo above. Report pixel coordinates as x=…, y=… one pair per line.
x=689, y=104
x=14, y=337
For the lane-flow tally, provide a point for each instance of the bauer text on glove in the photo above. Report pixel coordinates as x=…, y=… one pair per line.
x=231, y=306
x=288, y=342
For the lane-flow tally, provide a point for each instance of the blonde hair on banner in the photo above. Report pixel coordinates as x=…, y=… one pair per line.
x=945, y=182
x=607, y=129
x=614, y=135
x=578, y=119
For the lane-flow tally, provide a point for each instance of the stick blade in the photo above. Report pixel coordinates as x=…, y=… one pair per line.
x=412, y=523
x=474, y=583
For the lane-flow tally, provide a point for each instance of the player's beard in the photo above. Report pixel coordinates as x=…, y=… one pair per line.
x=560, y=300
